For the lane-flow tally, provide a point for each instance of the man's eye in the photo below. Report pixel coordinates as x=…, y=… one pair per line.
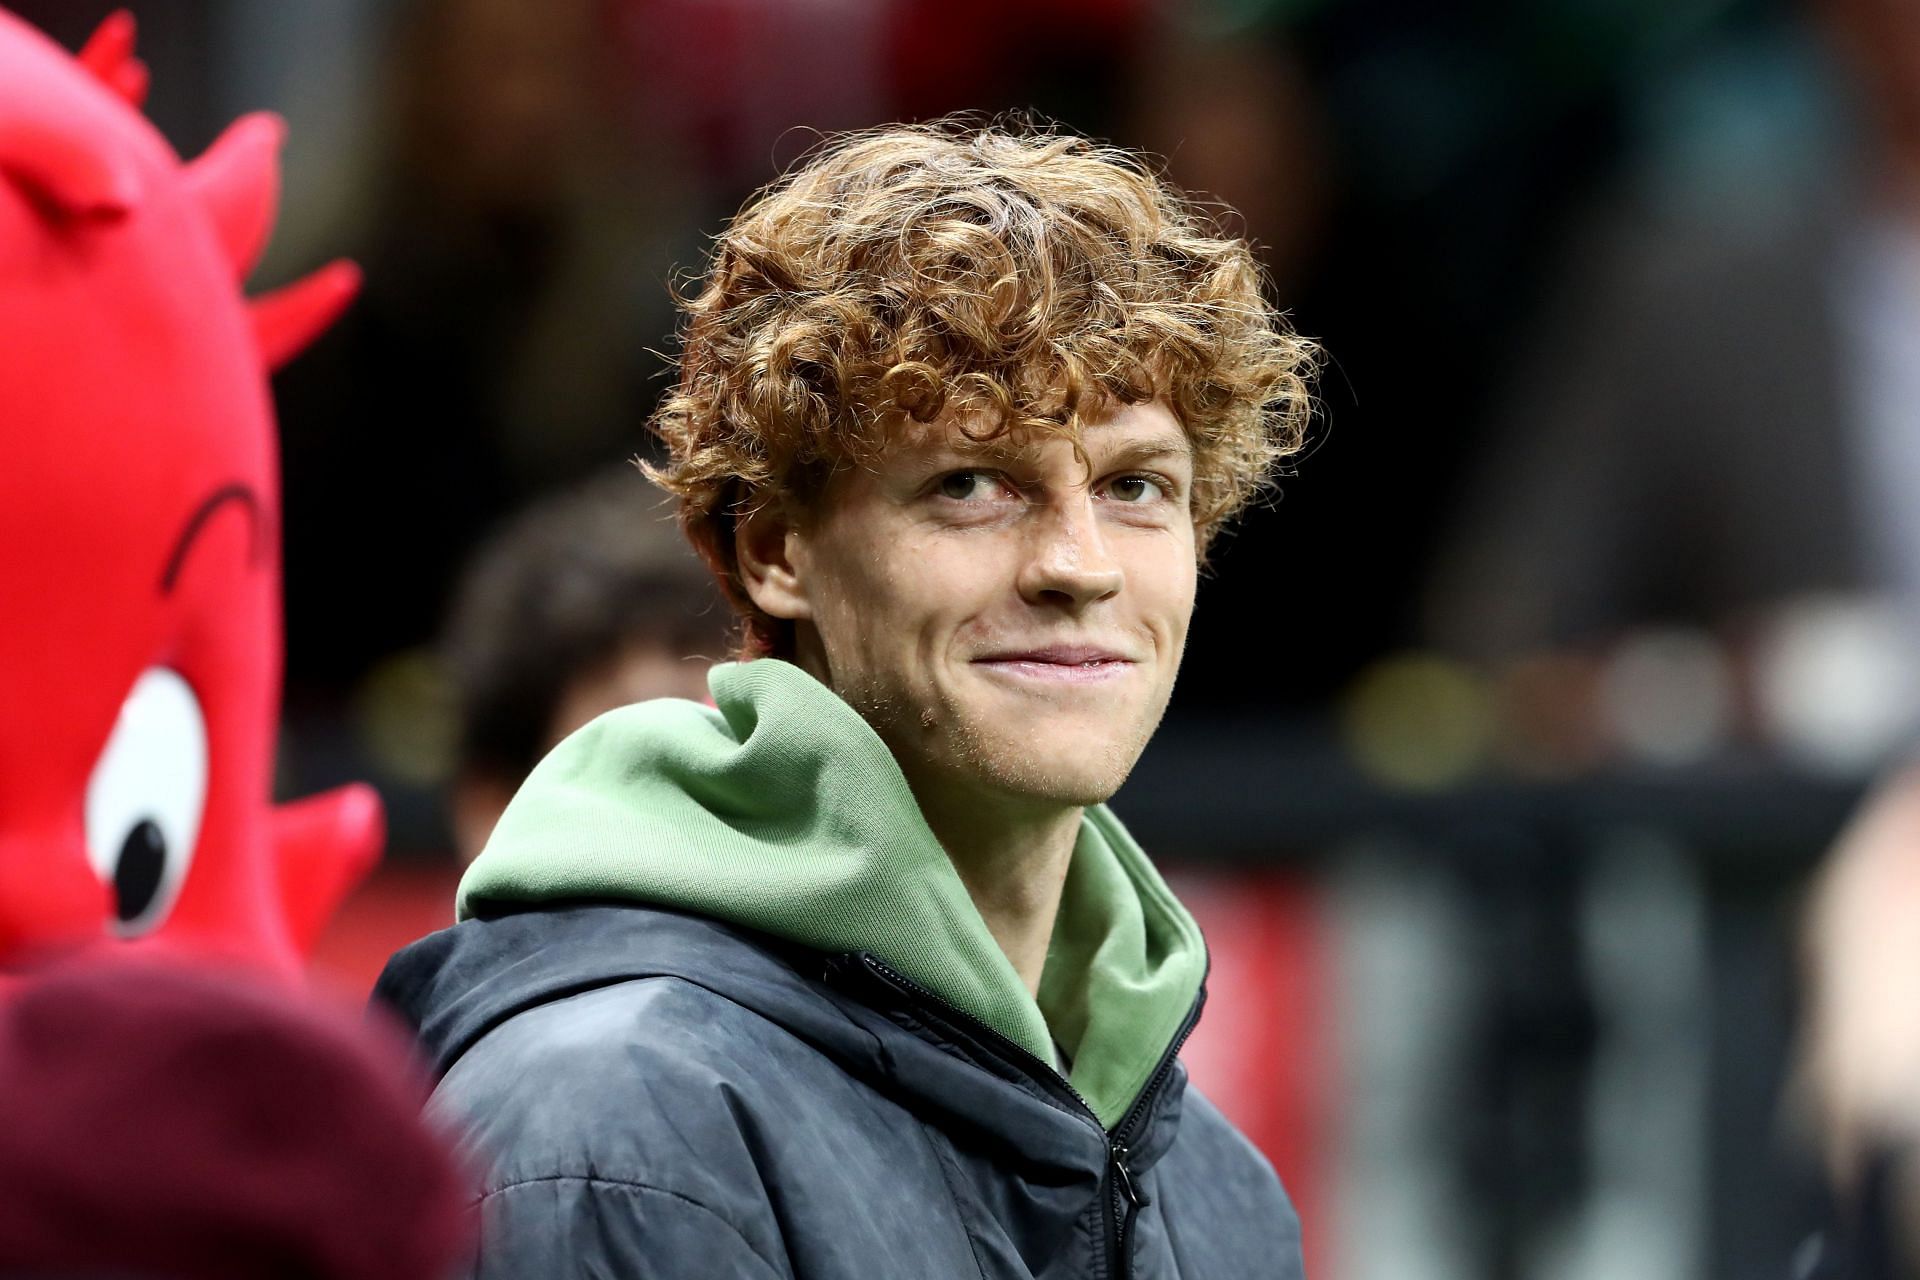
x=969, y=486
x=1137, y=489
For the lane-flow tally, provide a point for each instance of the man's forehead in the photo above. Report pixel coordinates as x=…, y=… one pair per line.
x=1134, y=429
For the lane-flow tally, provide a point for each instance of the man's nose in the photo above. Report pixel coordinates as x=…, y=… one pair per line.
x=1070, y=564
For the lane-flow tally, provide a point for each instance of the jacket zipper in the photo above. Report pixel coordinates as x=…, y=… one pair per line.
x=1125, y=1199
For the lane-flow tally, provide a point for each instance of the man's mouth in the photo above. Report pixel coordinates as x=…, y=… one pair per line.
x=1058, y=664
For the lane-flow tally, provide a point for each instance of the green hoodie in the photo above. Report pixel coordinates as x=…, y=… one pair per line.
x=782, y=811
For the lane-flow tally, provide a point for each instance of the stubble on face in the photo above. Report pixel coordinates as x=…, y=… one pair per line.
x=938, y=734
x=910, y=589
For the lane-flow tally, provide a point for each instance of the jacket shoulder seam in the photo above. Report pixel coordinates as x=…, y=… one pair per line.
x=548, y=1000
x=630, y=1184
x=686, y=981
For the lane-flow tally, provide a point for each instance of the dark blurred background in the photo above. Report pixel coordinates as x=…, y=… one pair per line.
x=1510, y=730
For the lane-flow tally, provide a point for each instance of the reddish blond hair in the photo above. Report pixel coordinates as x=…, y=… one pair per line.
x=1028, y=279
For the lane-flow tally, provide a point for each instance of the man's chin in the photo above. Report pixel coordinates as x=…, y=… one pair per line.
x=1068, y=793
x=1074, y=774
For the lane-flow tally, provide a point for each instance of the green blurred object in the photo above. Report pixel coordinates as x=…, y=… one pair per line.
x=1418, y=722
x=407, y=720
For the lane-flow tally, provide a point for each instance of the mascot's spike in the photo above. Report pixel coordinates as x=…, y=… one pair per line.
x=108, y=57
x=287, y=319
x=237, y=180
x=63, y=173
x=326, y=845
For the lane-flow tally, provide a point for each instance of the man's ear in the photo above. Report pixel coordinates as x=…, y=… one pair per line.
x=772, y=554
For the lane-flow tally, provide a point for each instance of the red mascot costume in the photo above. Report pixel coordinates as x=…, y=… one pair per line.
x=140, y=633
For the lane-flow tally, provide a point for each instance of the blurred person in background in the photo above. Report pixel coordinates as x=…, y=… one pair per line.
x=869, y=980
x=1727, y=415
x=588, y=600
x=166, y=1122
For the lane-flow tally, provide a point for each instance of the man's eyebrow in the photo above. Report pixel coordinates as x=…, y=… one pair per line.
x=1170, y=445
x=209, y=506
x=1144, y=448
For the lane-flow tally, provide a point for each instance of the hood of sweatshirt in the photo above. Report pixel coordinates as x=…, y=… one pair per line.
x=781, y=811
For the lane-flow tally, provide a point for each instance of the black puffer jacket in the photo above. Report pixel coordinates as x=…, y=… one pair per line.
x=659, y=1095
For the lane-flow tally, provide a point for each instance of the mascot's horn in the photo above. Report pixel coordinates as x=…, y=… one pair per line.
x=108, y=56
x=237, y=181
x=287, y=319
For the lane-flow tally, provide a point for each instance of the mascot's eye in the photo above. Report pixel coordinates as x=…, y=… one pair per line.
x=145, y=798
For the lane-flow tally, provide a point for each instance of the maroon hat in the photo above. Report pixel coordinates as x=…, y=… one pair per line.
x=159, y=1121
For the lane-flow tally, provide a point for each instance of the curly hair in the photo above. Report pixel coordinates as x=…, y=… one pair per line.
x=1025, y=279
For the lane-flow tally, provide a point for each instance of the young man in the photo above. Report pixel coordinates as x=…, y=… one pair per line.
x=854, y=975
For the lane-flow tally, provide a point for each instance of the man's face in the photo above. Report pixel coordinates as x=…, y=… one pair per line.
x=1009, y=623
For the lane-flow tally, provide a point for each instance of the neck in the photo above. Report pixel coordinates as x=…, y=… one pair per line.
x=1013, y=860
